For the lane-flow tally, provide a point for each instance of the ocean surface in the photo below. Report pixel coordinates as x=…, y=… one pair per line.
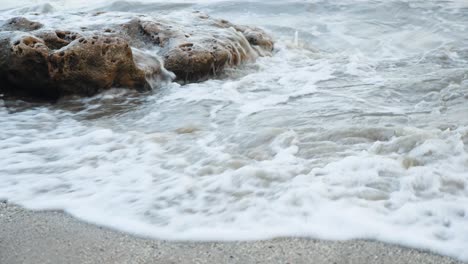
x=356, y=127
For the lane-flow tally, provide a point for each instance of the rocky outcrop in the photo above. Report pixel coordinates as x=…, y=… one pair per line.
x=84, y=66
x=20, y=24
x=52, y=63
x=192, y=53
x=57, y=39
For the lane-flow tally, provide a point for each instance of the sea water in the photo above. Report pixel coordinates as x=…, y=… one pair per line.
x=356, y=127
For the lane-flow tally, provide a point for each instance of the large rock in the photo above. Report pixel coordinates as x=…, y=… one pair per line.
x=40, y=61
x=82, y=66
x=20, y=24
x=200, y=49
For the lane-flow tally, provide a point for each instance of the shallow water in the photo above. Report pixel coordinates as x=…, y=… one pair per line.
x=356, y=127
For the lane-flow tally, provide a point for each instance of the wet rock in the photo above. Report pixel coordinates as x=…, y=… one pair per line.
x=193, y=61
x=90, y=64
x=199, y=49
x=147, y=33
x=84, y=67
x=257, y=38
x=20, y=24
x=23, y=64
x=85, y=60
x=57, y=39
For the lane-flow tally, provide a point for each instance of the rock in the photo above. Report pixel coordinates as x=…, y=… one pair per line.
x=191, y=62
x=90, y=64
x=57, y=39
x=20, y=24
x=84, y=67
x=146, y=33
x=257, y=38
x=191, y=53
x=24, y=63
x=127, y=53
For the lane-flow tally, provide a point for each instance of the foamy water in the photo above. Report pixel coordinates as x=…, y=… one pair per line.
x=356, y=127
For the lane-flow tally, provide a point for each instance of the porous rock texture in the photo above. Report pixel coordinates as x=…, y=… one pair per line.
x=44, y=61
x=84, y=66
x=200, y=50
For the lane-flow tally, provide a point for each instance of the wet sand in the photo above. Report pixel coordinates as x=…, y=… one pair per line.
x=54, y=237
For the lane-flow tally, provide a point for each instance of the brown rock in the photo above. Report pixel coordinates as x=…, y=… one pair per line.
x=88, y=65
x=261, y=41
x=192, y=53
x=57, y=39
x=23, y=65
x=20, y=24
x=147, y=33
x=85, y=66
x=53, y=63
x=192, y=62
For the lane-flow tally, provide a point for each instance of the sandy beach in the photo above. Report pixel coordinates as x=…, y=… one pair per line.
x=54, y=237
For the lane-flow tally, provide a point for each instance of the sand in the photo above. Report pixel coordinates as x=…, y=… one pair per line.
x=54, y=237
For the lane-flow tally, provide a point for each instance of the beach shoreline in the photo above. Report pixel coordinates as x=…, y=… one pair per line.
x=55, y=237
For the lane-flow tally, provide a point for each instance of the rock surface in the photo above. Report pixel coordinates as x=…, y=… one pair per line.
x=20, y=24
x=40, y=61
x=84, y=66
x=200, y=50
